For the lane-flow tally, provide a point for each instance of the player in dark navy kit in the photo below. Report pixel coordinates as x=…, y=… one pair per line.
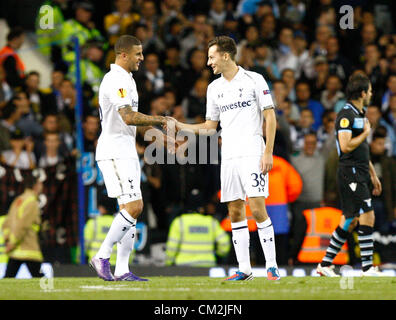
x=356, y=178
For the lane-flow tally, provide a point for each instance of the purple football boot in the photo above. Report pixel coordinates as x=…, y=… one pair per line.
x=129, y=277
x=102, y=268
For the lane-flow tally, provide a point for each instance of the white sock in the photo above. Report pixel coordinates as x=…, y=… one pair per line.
x=119, y=227
x=124, y=249
x=267, y=240
x=241, y=241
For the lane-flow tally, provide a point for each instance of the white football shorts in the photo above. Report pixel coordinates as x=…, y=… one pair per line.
x=122, y=179
x=241, y=177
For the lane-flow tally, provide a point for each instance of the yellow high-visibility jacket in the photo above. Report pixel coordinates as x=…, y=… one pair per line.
x=194, y=239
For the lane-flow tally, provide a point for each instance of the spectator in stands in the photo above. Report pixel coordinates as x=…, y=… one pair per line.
x=338, y=64
x=385, y=167
x=285, y=59
x=197, y=69
x=268, y=30
x=51, y=156
x=373, y=114
x=39, y=100
x=21, y=154
x=251, y=37
x=195, y=39
x=321, y=73
x=303, y=95
x=262, y=59
x=117, y=22
x=288, y=77
x=318, y=47
x=5, y=90
x=194, y=105
x=153, y=73
x=231, y=27
x=11, y=113
x=390, y=115
x=303, y=127
x=82, y=27
x=305, y=62
x=50, y=124
x=149, y=16
x=333, y=98
x=65, y=105
x=28, y=123
x=326, y=130
x=279, y=94
x=217, y=14
x=91, y=69
x=91, y=132
x=373, y=70
x=310, y=164
x=12, y=64
x=173, y=70
x=150, y=42
x=391, y=91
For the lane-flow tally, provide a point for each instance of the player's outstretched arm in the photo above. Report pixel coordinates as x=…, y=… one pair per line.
x=135, y=118
x=197, y=128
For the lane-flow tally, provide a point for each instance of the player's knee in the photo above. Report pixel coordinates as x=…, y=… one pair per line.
x=134, y=208
x=260, y=215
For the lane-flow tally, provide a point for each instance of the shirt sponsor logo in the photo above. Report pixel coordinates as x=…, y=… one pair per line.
x=266, y=92
x=121, y=93
x=239, y=104
x=344, y=123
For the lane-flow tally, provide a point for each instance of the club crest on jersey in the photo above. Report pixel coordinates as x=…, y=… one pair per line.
x=344, y=123
x=121, y=93
x=266, y=92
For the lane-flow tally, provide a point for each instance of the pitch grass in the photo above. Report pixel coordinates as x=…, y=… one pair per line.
x=201, y=288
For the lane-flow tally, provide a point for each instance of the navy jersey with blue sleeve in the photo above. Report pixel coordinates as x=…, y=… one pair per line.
x=351, y=119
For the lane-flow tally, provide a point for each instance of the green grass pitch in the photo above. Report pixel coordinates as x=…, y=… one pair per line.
x=200, y=288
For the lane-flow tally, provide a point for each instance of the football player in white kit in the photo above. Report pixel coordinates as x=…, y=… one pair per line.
x=117, y=156
x=241, y=100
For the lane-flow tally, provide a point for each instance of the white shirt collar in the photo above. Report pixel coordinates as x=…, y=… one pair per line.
x=239, y=74
x=116, y=67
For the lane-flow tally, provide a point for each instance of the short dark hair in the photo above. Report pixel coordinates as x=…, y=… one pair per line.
x=15, y=33
x=224, y=44
x=125, y=43
x=30, y=180
x=356, y=84
x=8, y=110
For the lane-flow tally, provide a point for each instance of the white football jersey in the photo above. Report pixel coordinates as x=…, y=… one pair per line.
x=117, y=139
x=238, y=105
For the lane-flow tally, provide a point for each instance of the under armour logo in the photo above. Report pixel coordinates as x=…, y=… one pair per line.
x=130, y=181
x=220, y=95
x=240, y=92
x=368, y=201
x=123, y=229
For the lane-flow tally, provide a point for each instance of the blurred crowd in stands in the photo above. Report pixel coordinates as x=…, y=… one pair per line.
x=298, y=46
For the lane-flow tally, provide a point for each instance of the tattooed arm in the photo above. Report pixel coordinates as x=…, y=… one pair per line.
x=134, y=118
